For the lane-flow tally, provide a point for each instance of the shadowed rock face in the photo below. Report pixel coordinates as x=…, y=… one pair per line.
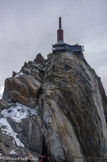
x=70, y=104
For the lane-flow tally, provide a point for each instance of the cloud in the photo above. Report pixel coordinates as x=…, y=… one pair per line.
x=28, y=27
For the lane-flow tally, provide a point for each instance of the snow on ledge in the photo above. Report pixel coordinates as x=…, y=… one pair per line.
x=19, y=74
x=18, y=112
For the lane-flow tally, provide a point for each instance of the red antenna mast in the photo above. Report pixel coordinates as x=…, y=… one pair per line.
x=60, y=33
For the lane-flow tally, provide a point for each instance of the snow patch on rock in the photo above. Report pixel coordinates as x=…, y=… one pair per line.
x=12, y=152
x=7, y=129
x=18, y=112
x=19, y=74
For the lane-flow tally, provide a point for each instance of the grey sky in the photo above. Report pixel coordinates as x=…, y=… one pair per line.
x=28, y=27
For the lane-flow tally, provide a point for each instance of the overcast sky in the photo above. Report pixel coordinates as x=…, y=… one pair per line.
x=28, y=27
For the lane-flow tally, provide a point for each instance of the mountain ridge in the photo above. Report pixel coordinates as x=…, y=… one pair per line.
x=70, y=104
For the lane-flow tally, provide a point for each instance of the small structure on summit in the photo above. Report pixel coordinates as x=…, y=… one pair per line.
x=61, y=46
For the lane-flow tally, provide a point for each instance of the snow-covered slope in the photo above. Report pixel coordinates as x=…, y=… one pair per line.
x=7, y=129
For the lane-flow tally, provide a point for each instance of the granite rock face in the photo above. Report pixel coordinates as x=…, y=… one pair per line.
x=56, y=106
x=24, y=86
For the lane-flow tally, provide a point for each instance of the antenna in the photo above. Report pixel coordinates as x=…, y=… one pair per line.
x=60, y=33
x=60, y=22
